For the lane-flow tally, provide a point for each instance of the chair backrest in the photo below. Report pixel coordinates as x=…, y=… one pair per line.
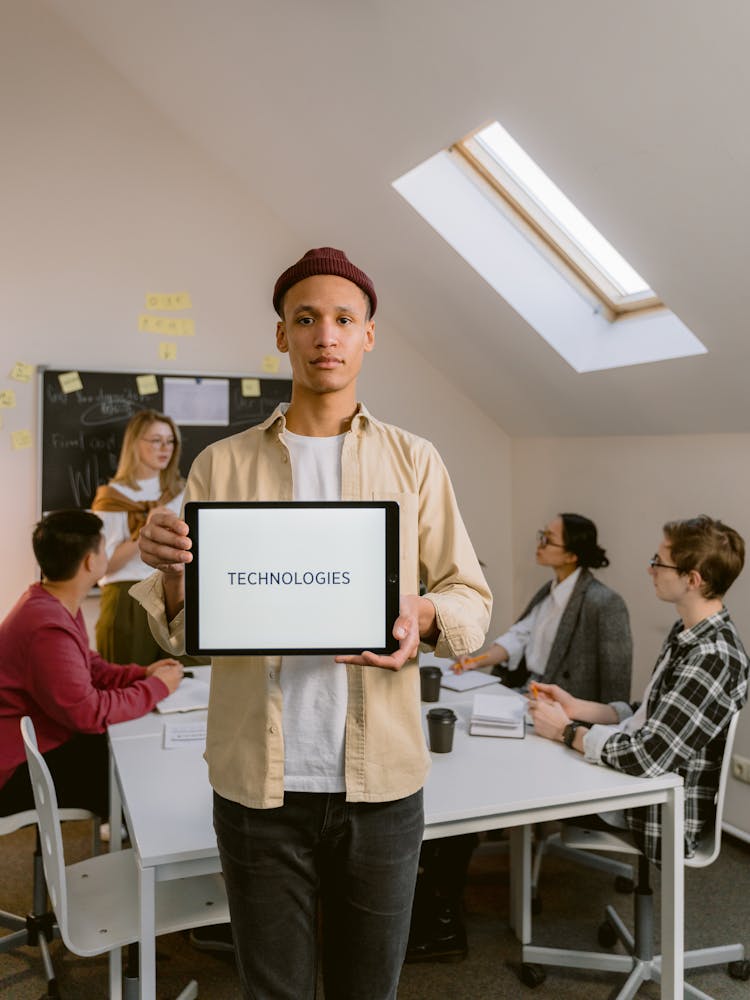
x=709, y=845
x=48, y=818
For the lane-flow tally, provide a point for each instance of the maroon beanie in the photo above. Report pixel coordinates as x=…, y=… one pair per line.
x=324, y=260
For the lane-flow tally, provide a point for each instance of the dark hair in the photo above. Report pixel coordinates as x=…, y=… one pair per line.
x=579, y=536
x=62, y=539
x=713, y=549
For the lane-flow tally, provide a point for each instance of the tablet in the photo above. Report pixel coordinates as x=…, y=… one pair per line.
x=292, y=578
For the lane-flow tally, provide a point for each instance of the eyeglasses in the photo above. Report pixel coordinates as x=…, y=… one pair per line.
x=543, y=540
x=656, y=563
x=157, y=442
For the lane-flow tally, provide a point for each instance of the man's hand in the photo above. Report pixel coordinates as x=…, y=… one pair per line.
x=554, y=693
x=164, y=542
x=406, y=630
x=169, y=671
x=550, y=718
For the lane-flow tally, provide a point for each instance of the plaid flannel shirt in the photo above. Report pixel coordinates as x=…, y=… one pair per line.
x=699, y=688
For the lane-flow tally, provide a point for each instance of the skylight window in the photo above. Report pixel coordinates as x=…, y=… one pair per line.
x=577, y=245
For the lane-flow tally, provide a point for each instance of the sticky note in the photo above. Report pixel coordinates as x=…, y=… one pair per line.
x=173, y=300
x=270, y=364
x=20, y=439
x=147, y=385
x=7, y=398
x=251, y=387
x=167, y=350
x=22, y=372
x=70, y=381
x=166, y=325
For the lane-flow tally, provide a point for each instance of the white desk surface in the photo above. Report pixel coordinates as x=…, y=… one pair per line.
x=484, y=783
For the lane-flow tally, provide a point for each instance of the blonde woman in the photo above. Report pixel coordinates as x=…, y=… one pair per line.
x=147, y=476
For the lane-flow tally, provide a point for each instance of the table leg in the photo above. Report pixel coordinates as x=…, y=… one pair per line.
x=520, y=882
x=147, y=937
x=672, y=894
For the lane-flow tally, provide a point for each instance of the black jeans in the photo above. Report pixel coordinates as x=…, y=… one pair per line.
x=357, y=859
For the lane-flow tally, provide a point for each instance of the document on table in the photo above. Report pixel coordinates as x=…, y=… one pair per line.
x=179, y=733
x=190, y=695
x=467, y=681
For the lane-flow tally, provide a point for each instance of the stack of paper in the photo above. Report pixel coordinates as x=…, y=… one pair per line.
x=192, y=694
x=467, y=681
x=498, y=716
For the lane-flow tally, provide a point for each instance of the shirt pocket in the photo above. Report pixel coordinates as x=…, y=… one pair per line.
x=408, y=530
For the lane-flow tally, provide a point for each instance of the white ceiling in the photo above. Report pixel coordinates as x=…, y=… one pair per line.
x=639, y=110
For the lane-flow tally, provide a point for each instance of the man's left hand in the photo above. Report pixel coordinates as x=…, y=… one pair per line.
x=406, y=629
x=549, y=718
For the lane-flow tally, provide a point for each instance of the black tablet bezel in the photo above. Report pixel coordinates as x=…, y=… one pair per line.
x=192, y=570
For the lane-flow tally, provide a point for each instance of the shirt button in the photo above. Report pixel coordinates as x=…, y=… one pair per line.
x=272, y=729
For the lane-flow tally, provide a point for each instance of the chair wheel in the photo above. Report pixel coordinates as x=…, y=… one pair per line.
x=740, y=970
x=607, y=935
x=536, y=905
x=622, y=884
x=532, y=975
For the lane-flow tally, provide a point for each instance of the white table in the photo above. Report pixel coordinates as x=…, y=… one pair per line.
x=484, y=784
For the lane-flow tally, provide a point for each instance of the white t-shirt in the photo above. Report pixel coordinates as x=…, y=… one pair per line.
x=314, y=688
x=116, y=528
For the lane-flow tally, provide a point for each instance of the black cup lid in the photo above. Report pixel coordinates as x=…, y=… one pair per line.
x=441, y=715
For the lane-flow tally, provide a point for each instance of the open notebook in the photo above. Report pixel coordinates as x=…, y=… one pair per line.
x=498, y=715
x=467, y=681
x=190, y=695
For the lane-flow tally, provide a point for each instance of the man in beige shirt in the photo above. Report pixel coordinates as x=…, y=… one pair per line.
x=317, y=763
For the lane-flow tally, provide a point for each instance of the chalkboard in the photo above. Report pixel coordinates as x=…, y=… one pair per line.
x=82, y=431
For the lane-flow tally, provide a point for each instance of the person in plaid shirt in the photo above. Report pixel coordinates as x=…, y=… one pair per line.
x=699, y=682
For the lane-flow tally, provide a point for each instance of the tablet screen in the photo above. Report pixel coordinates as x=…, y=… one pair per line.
x=291, y=577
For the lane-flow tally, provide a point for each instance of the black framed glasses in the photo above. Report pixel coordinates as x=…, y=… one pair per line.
x=656, y=563
x=543, y=540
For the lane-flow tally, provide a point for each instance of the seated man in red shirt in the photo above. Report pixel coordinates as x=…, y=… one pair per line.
x=48, y=671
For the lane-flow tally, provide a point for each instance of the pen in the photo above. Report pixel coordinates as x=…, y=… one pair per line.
x=534, y=689
x=188, y=673
x=475, y=659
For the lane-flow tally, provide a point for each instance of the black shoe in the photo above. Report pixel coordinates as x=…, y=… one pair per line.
x=444, y=942
x=212, y=937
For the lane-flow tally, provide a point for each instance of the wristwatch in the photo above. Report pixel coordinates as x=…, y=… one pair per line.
x=569, y=733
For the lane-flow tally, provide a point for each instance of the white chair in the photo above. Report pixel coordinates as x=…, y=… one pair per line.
x=38, y=928
x=640, y=964
x=96, y=901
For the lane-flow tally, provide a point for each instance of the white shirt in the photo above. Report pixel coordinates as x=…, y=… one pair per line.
x=535, y=634
x=116, y=528
x=314, y=688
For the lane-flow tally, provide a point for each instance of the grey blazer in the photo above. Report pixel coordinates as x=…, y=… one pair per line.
x=592, y=655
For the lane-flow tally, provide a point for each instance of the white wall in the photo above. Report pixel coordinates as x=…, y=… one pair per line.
x=630, y=486
x=103, y=201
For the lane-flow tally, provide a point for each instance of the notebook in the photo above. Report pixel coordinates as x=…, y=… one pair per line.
x=467, y=681
x=502, y=715
x=190, y=695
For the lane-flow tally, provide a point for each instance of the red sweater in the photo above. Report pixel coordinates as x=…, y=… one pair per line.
x=47, y=671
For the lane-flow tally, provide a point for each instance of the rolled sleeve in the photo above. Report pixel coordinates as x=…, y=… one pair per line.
x=150, y=595
x=593, y=742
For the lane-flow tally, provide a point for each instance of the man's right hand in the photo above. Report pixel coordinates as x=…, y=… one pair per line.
x=164, y=543
x=169, y=671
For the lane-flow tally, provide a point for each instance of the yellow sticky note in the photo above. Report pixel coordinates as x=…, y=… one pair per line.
x=270, y=364
x=20, y=439
x=7, y=398
x=251, y=387
x=167, y=350
x=22, y=372
x=70, y=381
x=172, y=300
x=147, y=385
x=166, y=326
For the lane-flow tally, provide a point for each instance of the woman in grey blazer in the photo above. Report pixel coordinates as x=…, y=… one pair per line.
x=574, y=632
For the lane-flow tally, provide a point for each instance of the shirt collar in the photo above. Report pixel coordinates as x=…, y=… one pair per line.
x=699, y=631
x=277, y=420
x=561, y=592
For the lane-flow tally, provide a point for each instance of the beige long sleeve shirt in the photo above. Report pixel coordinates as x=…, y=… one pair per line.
x=385, y=753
